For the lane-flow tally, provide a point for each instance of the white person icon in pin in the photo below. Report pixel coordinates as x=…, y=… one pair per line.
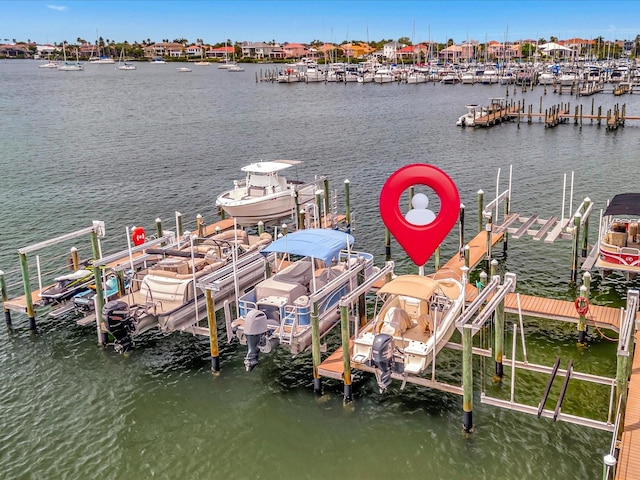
x=420, y=214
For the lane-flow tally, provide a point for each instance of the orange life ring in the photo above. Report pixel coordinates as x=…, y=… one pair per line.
x=582, y=305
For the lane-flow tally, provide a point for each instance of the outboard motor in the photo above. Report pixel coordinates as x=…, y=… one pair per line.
x=382, y=359
x=255, y=331
x=119, y=324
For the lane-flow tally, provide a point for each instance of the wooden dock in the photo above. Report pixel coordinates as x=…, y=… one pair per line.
x=629, y=455
x=552, y=309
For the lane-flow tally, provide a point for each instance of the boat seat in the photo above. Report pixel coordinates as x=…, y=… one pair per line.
x=619, y=239
x=425, y=322
x=396, y=322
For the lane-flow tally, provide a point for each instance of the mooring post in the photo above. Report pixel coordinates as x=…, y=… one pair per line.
x=585, y=231
x=24, y=268
x=319, y=207
x=467, y=256
x=260, y=227
x=5, y=298
x=411, y=193
x=299, y=221
x=575, y=252
x=346, y=376
x=499, y=340
x=213, y=332
x=159, y=227
x=315, y=349
x=200, y=226
x=362, y=300
x=75, y=259
x=179, y=231
x=483, y=279
x=327, y=197
x=505, y=235
x=480, y=209
x=387, y=245
x=436, y=260
x=283, y=229
x=461, y=246
x=467, y=379
x=488, y=228
x=99, y=298
x=347, y=204
x=582, y=305
x=599, y=115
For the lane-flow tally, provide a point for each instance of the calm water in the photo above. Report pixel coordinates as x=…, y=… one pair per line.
x=126, y=147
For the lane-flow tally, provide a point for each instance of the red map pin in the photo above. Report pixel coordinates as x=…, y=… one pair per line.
x=419, y=241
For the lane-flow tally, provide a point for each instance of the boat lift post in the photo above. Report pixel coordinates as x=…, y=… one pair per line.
x=575, y=250
x=480, y=209
x=346, y=353
x=315, y=348
x=97, y=278
x=213, y=331
x=347, y=204
x=3, y=289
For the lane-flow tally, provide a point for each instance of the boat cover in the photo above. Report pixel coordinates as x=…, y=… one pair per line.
x=320, y=243
x=624, y=204
x=415, y=286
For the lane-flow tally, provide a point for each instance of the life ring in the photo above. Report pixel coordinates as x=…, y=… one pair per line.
x=582, y=306
x=138, y=236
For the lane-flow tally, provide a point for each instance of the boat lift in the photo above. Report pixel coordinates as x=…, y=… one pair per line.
x=551, y=229
x=26, y=303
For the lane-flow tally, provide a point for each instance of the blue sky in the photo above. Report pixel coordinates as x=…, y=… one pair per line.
x=306, y=20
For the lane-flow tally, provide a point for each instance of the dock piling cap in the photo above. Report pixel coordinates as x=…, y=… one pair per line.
x=610, y=460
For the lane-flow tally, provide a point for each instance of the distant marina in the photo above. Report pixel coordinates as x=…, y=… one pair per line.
x=135, y=167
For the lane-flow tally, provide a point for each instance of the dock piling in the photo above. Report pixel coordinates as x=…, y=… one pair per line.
x=575, y=252
x=75, y=259
x=315, y=349
x=344, y=328
x=467, y=379
x=213, y=332
x=159, y=227
x=582, y=305
x=97, y=278
x=347, y=204
x=5, y=298
x=499, y=338
x=24, y=268
x=480, y=209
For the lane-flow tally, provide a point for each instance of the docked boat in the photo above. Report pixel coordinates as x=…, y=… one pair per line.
x=415, y=317
x=469, y=119
x=265, y=194
x=279, y=310
x=383, y=75
x=166, y=295
x=67, y=286
x=619, y=239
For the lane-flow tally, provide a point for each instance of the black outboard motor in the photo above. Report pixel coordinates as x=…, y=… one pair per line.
x=119, y=324
x=255, y=330
x=382, y=359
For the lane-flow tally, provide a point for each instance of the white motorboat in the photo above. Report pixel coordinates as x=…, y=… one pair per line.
x=235, y=68
x=415, y=317
x=547, y=78
x=265, y=195
x=49, y=64
x=619, y=239
x=383, y=75
x=469, y=118
x=183, y=69
x=279, y=310
x=157, y=61
x=314, y=75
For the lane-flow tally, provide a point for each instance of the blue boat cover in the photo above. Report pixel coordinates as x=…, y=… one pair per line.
x=320, y=243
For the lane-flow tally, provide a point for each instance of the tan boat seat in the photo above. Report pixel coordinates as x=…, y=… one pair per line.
x=425, y=322
x=619, y=239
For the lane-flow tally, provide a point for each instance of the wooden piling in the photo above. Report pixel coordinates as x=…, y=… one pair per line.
x=213, y=332
x=99, y=297
x=159, y=227
x=346, y=377
x=488, y=229
x=582, y=303
x=315, y=349
x=480, y=209
x=75, y=259
x=499, y=339
x=200, y=226
x=5, y=298
x=347, y=204
x=179, y=231
x=585, y=231
x=467, y=380
x=24, y=268
x=327, y=197
x=575, y=250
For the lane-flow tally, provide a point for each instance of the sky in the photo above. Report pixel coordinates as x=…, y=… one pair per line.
x=303, y=21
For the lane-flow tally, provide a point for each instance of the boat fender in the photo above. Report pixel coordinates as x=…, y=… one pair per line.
x=582, y=306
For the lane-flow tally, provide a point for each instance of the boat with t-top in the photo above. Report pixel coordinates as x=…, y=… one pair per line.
x=265, y=194
x=414, y=318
